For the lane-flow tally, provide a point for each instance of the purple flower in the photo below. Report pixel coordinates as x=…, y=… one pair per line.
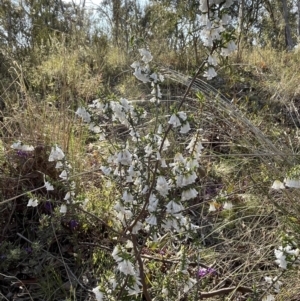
x=206, y=271
x=22, y=154
x=28, y=250
x=162, y=252
x=48, y=206
x=73, y=224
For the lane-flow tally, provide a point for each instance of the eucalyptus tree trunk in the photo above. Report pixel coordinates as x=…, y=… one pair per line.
x=288, y=35
x=298, y=29
x=116, y=10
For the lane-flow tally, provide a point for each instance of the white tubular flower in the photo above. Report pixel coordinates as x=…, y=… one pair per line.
x=165, y=292
x=146, y=55
x=151, y=220
x=63, y=209
x=22, y=147
x=182, y=115
x=191, y=145
x=59, y=164
x=189, y=179
x=228, y=3
x=154, y=77
x=212, y=207
x=199, y=147
x=175, y=121
x=124, y=157
x=188, y=194
x=203, y=6
x=191, y=164
x=293, y=183
x=226, y=19
x=135, y=65
x=97, y=105
x=115, y=253
x=229, y=49
x=27, y=148
x=17, y=145
x=227, y=206
x=153, y=201
x=290, y=251
x=126, y=267
x=173, y=207
x=69, y=195
x=195, y=147
x=178, y=158
x=64, y=175
x=156, y=91
x=99, y=295
x=277, y=185
x=189, y=284
x=163, y=163
x=141, y=76
x=127, y=197
x=134, y=134
x=148, y=150
x=56, y=154
x=185, y=128
x=162, y=186
x=210, y=73
x=32, y=203
x=179, y=179
x=212, y=60
x=94, y=128
x=166, y=144
x=170, y=223
x=106, y=170
x=159, y=130
x=125, y=104
x=48, y=186
x=135, y=229
x=276, y=283
x=280, y=258
x=135, y=289
x=81, y=112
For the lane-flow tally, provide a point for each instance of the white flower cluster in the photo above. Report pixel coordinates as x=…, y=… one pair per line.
x=22, y=147
x=142, y=73
x=281, y=255
x=214, y=21
x=57, y=155
x=121, y=112
x=148, y=199
x=126, y=267
x=180, y=119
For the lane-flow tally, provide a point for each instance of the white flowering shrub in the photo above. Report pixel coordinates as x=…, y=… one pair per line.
x=152, y=187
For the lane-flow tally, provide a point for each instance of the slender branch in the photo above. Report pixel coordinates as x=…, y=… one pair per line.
x=226, y=290
x=141, y=267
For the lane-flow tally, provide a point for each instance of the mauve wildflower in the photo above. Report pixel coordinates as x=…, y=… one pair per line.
x=206, y=271
x=28, y=250
x=22, y=154
x=73, y=224
x=162, y=252
x=48, y=206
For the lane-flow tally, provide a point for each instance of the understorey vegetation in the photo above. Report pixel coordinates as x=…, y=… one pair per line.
x=149, y=151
